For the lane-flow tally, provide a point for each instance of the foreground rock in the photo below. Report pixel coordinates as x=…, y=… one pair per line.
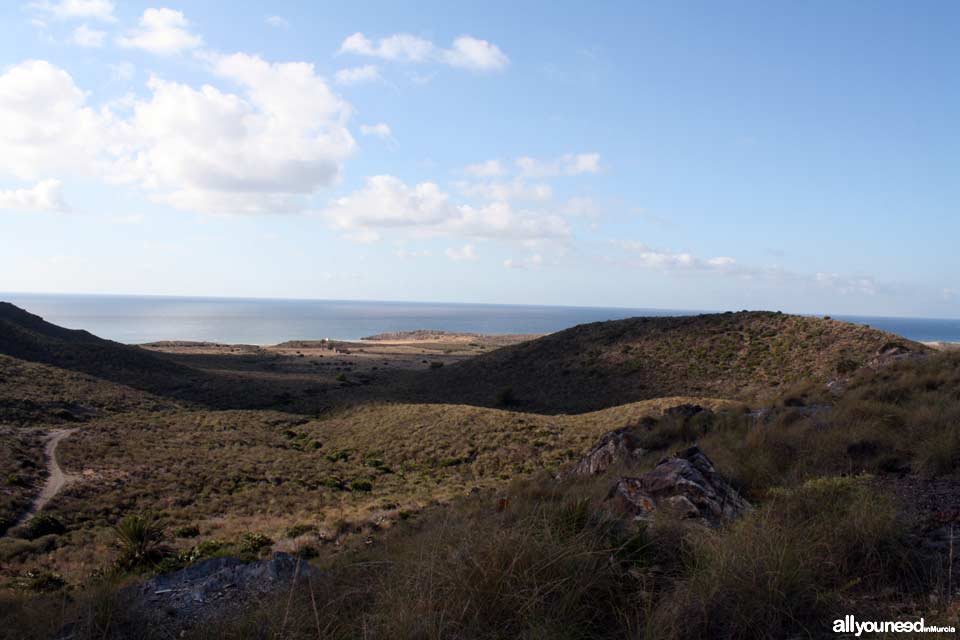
x=212, y=588
x=686, y=484
x=620, y=446
x=623, y=446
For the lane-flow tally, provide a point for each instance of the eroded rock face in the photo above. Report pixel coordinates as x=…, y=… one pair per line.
x=617, y=446
x=687, y=484
x=212, y=588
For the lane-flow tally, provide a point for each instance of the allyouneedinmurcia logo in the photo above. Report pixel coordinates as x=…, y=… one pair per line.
x=849, y=624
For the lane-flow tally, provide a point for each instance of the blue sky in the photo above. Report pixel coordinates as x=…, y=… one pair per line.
x=793, y=156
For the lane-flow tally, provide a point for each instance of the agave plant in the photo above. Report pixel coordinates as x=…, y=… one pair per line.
x=140, y=538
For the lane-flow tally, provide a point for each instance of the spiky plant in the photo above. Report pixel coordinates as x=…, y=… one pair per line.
x=140, y=539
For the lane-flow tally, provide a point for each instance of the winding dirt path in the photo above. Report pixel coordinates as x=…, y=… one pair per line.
x=56, y=478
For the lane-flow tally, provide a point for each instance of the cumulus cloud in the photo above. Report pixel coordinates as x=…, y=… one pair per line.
x=77, y=9
x=406, y=254
x=566, y=165
x=207, y=150
x=513, y=190
x=264, y=149
x=381, y=130
x=87, y=37
x=278, y=22
x=45, y=125
x=644, y=255
x=488, y=169
x=466, y=52
x=465, y=253
x=45, y=195
x=358, y=75
x=475, y=54
x=581, y=207
x=162, y=32
x=386, y=202
x=531, y=262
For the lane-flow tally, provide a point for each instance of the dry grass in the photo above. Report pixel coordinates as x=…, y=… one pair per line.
x=743, y=355
x=232, y=472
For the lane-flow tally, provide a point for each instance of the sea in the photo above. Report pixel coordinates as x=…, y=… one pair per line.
x=139, y=319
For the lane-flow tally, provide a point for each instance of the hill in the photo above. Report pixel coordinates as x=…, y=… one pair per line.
x=29, y=337
x=744, y=355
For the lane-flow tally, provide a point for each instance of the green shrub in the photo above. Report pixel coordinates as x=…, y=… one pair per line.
x=298, y=530
x=140, y=540
x=43, y=581
x=251, y=543
x=187, y=531
x=361, y=485
x=15, y=480
x=44, y=525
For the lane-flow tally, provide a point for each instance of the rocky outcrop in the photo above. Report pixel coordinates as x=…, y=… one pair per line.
x=894, y=352
x=686, y=411
x=213, y=588
x=686, y=484
x=615, y=447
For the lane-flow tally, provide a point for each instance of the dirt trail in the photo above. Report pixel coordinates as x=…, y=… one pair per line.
x=56, y=478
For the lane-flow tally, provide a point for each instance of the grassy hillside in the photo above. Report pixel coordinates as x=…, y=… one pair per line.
x=730, y=355
x=852, y=493
x=231, y=472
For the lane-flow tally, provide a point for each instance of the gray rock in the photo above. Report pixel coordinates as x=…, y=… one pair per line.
x=617, y=446
x=687, y=484
x=212, y=588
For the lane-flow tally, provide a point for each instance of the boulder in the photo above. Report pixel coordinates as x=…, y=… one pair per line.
x=212, y=588
x=893, y=352
x=685, y=411
x=686, y=484
x=617, y=446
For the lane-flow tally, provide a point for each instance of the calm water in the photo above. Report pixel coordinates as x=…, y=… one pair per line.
x=136, y=319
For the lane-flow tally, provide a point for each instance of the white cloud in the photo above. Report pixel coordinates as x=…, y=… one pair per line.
x=123, y=71
x=665, y=259
x=278, y=22
x=358, y=75
x=581, y=207
x=380, y=130
x=386, y=202
x=465, y=253
x=87, y=37
x=488, y=169
x=77, y=9
x=566, y=165
x=504, y=191
x=206, y=150
x=475, y=54
x=163, y=32
x=466, y=52
x=416, y=253
x=45, y=125
x=532, y=262
x=201, y=149
x=847, y=285
x=46, y=195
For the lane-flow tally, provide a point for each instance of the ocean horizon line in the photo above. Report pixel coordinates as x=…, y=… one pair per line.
x=660, y=310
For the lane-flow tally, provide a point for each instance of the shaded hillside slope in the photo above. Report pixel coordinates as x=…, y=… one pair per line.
x=730, y=355
x=26, y=336
x=33, y=393
x=30, y=339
